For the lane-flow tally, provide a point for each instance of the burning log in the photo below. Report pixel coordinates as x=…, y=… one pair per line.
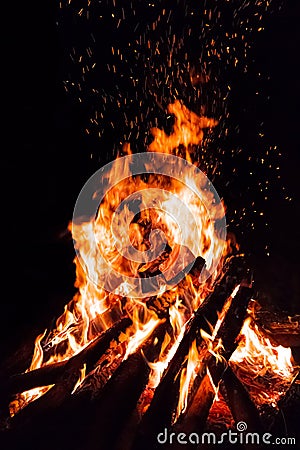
x=64, y=375
x=39, y=377
x=213, y=369
x=49, y=374
x=288, y=410
x=281, y=328
x=20, y=359
x=50, y=400
x=159, y=414
x=237, y=398
x=162, y=304
x=120, y=395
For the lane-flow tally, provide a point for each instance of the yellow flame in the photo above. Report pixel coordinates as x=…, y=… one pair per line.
x=92, y=309
x=257, y=357
x=187, y=376
x=81, y=378
x=258, y=350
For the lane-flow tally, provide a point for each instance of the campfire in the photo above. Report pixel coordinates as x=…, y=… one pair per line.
x=176, y=342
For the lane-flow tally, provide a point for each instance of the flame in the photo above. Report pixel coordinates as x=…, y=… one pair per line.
x=188, y=375
x=28, y=396
x=210, y=344
x=266, y=370
x=140, y=336
x=188, y=130
x=158, y=368
x=94, y=309
x=81, y=378
x=214, y=387
x=222, y=314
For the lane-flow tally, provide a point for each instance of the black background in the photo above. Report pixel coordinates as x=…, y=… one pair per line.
x=45, y=161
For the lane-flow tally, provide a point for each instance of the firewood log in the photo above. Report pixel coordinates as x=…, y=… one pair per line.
x=237, y=398
x=64, y=375
x=287, y=411
x=107, y=415
x=197, y=411
x=159, y=414
x=19, y=360
x=162, y=303
x=280, y=328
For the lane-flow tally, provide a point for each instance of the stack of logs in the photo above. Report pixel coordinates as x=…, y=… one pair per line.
x=110, y=418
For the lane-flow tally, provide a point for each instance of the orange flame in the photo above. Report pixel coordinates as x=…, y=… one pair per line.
x=187, y=131
x=93, y=309
x=188, y=374
x=213, y=346
x=256, y=359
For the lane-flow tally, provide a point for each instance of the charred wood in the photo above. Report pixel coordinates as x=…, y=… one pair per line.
x=208, y=379
x=279, y=327
x=66, y=377
x=19, y=360
x=162, y=304
x=50, y=374
x=238, y=399
x=287, y=412
x=120, y=395
x=159, y=415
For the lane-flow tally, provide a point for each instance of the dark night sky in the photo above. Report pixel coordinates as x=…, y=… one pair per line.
x=46, y=160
